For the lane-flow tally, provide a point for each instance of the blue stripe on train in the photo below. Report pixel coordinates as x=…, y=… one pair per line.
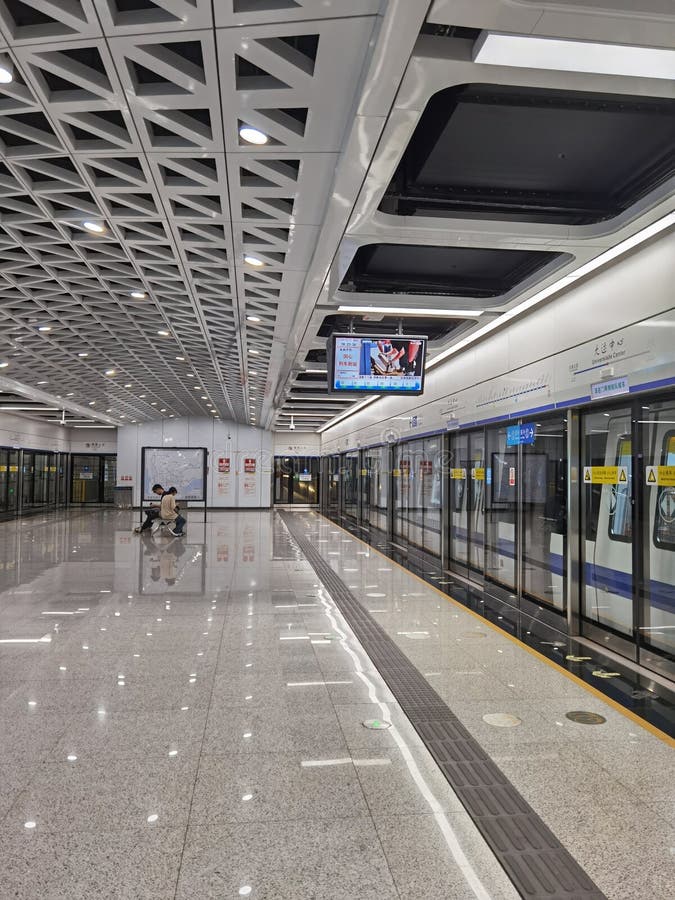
x=662, y=595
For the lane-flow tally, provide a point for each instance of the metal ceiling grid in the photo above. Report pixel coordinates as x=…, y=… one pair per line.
x=128, y=114
x=439, y=61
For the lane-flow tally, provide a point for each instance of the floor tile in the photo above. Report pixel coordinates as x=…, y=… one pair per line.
x=133, y=864
x=84, y=795
x=440, y=857
x=273, y=787
x=338, y=859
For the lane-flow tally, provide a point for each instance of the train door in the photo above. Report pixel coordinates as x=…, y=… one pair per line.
x=607, y=525
x=656, y=594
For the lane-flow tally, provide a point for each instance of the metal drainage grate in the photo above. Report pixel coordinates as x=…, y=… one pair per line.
x=538, y=865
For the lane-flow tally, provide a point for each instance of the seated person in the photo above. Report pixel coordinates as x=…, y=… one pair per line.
x=152, y=511
x=168, y=511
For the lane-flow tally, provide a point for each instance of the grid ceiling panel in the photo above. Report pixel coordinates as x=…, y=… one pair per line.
x=127, y=114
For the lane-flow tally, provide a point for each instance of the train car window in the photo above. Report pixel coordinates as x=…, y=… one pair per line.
x=664, y=514
x=620, y=526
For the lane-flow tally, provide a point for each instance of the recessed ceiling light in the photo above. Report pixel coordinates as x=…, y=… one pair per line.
x=204, y=397
x=154, y=403
x=109, y=410
x=252, y=318
x=83, y=355
x=534, y=51
x=109, y=371
x=127, y=385
x=45, y=328
x=252, y=135
x=163, y=333
x=92, y=403
x=96, y=227
x=180, y=358
x=253, y=261
x=6, y=76
x=254, y=352
x=70, y=394
x=163, y=409
x=43, y=382
x=138, y=295
x=189, y=375
x=3, y=365
x=412, y=311
x=142, y=396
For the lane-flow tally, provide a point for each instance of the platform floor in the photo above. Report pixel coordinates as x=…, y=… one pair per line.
x=185, y=719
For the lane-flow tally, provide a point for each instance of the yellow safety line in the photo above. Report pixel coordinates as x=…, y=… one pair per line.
x=540, y=656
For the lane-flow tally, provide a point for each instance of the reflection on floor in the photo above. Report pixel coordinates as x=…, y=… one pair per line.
x=184, y=719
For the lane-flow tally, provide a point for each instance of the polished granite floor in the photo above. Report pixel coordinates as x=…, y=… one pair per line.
x=185, y=719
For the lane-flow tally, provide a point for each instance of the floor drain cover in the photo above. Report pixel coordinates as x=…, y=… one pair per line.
x=376, y=724
x=583, y=717
x=502, y=720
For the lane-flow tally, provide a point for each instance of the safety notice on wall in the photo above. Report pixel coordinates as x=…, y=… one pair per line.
x=478, y=473
x=224, y=465
x=605, y=474
x=249, y=465
x=662, y=476
x=458, y=474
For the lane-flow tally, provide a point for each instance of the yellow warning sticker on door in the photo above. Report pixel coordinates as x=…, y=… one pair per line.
x=660, y=475
x=478, y=474
x=396, y=473
x=458, y=474
x=605, y=474
x=364, y=471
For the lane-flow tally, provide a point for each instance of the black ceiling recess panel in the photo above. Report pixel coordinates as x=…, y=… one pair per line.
x=529, y=154
x=444, y=271
x=435, y=328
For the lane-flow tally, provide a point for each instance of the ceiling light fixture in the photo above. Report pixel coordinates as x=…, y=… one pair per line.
x=3, y=365
x=180, y=358
x=255, y=352
x=252, y=135
x=110, y=371
x=43, y=382
x=45, y=328
x=535, y=52
x=6, y=76
x=95, y=227
x=412, y=311
x=252, y=319
x=254, y=261
x=138, y=295
x=163, y=333
x=82, y=355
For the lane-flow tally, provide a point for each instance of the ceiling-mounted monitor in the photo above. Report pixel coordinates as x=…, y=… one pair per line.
x=376, y=364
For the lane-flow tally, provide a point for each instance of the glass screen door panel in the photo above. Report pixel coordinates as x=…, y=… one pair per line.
x=430, y=467
x=543, y=494
x=476, y=486
x=350, y=485
x=500, y=486
x=86, y=474
x=283, y=473
x=458, y=493
x=657, y=591
x=306, y=480
x=401, y=483
x=378, y=486
x=607, y=608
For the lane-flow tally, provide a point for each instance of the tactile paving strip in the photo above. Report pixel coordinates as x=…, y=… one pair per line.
x=538, y=865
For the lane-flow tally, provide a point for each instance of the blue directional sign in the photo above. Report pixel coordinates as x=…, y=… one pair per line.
x=520, y=434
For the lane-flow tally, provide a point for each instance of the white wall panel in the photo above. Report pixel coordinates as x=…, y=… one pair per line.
x=222, y=440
